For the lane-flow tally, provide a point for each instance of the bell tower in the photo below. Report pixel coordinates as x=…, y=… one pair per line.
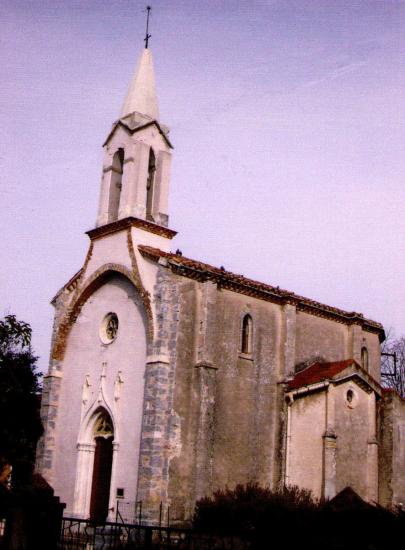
x=106, y=342
x=137, y=156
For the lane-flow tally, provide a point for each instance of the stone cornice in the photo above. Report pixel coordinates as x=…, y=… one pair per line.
x=120, y=225
x=69, y=286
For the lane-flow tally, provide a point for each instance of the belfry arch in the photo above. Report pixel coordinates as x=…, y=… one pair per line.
x=150, y=184
x=117, y=170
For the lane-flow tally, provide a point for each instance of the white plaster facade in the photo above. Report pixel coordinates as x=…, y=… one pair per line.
x=95, y=376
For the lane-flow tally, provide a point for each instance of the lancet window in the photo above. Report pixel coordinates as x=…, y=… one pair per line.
x=247, y=334
x=364, y=358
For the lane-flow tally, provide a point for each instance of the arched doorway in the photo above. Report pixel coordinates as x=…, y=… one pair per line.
x=103, y=433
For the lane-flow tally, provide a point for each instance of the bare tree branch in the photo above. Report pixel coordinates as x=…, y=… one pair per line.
x=393, y=364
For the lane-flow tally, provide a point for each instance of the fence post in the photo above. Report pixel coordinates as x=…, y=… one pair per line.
x=148, y=538
x=160, y=513
x=94, y=534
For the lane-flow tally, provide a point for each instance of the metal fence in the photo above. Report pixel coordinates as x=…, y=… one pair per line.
x=135, y=512
x=78, y=534
x=130, y=512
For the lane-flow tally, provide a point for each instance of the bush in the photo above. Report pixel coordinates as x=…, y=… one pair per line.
x=260, y=518
x=247, y=511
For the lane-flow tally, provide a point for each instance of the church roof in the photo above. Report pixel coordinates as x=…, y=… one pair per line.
x=336, y=371
x=238, y=283
x=141, y=97
x=319, y=372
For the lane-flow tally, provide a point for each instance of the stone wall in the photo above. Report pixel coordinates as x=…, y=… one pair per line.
x=335, y=341
x=230, y=405
x=161, y=424
x=228, y=402
x=392, y=449
x=353, y=434
x=331, y=442
x=307, y=425
x=319, y=337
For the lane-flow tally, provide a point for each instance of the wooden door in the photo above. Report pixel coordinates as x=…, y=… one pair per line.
x=100, y=488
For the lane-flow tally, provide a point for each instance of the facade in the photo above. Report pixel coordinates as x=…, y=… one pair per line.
x=170, y=378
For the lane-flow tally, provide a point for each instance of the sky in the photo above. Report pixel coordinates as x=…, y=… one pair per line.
x=288, y=124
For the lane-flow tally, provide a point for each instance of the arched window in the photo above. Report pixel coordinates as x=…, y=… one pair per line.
x=116, y=184
x=246, y=336
x=364, y=358
x=149, y=184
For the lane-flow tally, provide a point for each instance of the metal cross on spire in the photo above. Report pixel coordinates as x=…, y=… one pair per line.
x=146, y=39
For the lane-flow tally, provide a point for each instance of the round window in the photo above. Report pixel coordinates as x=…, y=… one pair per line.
x=351, y=398
x=109, y=328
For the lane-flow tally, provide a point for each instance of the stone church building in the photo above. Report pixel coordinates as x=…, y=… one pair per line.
x=170, y=378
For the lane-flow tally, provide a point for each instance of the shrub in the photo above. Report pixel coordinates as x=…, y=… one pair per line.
x=248, y=511
x=258, y=517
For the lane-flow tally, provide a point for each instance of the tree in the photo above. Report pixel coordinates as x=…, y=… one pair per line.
x=393, y=364
x=20, y=423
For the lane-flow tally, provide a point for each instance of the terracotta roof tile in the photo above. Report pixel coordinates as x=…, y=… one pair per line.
x=318, y=372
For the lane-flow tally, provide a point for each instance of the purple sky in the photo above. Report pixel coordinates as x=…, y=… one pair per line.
x=288, y=121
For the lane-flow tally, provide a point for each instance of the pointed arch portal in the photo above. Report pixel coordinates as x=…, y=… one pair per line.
x=95, y=466
x=103, y=457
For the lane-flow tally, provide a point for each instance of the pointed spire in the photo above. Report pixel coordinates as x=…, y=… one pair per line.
x=141, y=95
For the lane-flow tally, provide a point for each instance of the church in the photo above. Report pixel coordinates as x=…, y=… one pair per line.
x=170, y=378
